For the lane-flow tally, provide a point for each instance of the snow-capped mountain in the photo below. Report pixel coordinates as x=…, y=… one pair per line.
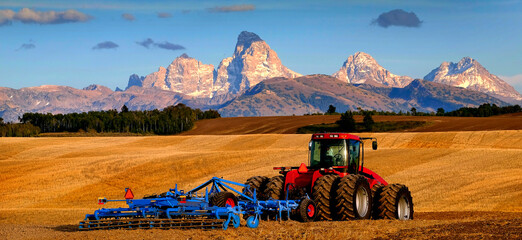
x=184, y=75
x=470, y=74
x=254, y=82
x=362, y=68
x=252, y=62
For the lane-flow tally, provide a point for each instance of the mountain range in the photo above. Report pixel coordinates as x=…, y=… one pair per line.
x=254, y=82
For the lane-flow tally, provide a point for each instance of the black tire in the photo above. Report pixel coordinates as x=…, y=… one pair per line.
x=151, y=196
x=354, y=198
x=257, y=183
x=323, y=193
x=275, y=188
x=376, y=193
x=306, y=212
x=220, y=199
x=395, y=202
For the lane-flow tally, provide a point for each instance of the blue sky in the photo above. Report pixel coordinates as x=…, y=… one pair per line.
x=97, y=42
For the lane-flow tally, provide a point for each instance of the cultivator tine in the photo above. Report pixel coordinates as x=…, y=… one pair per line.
x=204, y=223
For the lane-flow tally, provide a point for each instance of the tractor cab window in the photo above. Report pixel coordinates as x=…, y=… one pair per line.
x=327, y=153
x=355, y=154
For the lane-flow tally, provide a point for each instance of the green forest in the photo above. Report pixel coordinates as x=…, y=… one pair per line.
x=484, y=110
x=170, y=120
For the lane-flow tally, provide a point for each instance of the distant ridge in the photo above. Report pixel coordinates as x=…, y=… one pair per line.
x=254, y=82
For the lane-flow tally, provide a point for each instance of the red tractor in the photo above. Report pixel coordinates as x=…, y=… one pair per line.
x=339, y=185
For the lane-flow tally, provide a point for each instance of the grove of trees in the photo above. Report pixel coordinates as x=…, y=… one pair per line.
x=17, y=130
x=484, y=110
x=170, y=120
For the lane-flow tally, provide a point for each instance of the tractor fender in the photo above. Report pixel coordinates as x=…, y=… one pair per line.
x=373, y=178
x=296, y=179
x=315, y=176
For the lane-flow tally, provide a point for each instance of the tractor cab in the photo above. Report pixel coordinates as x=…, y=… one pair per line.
x=341, y=151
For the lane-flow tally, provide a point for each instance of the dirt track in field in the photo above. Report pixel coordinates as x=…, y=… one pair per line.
x=290, y=124
x=465, y=185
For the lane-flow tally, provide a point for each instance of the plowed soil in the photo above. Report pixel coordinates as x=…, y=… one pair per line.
x=465, y=185
x=290, y=124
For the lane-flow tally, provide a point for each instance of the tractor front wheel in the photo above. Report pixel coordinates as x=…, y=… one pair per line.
x=275, y=188
x=395, y=202
x=323, y=192
x=354, y=199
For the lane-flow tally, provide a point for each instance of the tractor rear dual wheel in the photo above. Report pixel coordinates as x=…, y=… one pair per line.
x=324, y=192
x=353, y=198
x=275, y=188
x=222, y=199
x=394, y=202
x=376, y=192
x=257, y=183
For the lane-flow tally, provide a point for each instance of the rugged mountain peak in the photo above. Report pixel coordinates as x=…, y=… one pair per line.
x=252, y=62
x=470, y=74
x=135, y=80
x=184, y=75
x=362, y=68
x=362, y=57
x=247, y=38
x=99, y=88
x=184, y=55
x=191, y=77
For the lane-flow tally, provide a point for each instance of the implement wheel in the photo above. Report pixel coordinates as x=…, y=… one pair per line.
x=395, y=202
x=306, y=212
x=323, y=193
x=257, y=183
x=222, y=199
x=275, y=188
x=354, y=199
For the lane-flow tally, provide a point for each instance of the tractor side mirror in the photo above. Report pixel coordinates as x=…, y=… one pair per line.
x=309, y=145
x=374, y=145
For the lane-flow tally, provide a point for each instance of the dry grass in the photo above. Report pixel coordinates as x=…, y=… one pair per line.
x=49, y=184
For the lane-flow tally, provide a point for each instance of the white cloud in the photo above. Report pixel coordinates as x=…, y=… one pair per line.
x=128, y=17
x=27, y=15
x=6, y=15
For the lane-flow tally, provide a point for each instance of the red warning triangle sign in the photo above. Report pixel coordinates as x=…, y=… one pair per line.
x=302, y=168
x=128, y=193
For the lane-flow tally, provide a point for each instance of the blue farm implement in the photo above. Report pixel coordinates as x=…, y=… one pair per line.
x=219, y=207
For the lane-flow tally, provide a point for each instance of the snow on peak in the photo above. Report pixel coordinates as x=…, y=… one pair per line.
x=469, y=74
x=363, y=68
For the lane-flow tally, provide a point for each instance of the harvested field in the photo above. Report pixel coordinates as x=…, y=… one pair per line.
x=464, y=184
x=290, y=124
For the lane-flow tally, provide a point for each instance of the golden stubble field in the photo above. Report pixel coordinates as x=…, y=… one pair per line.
x=464, y=184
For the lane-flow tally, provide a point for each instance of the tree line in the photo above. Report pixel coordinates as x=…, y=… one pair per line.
x=484, y=110
x=170, y=120
x=18, y=130
x=347, y=123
